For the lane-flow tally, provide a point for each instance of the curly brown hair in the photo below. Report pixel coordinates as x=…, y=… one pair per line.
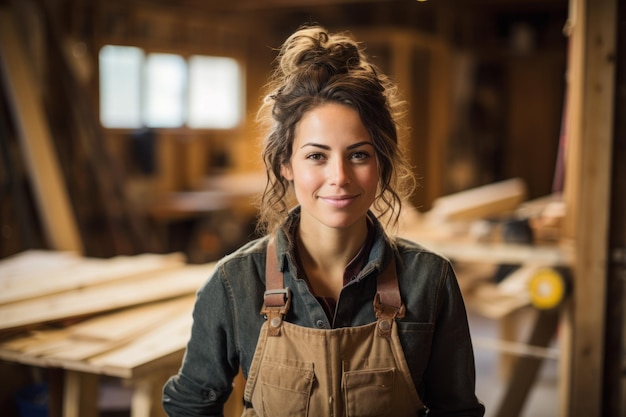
x=315, y=67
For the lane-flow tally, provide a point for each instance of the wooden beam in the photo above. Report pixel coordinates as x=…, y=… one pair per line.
x=527, y=367
x=35, y=139
x=591, y=71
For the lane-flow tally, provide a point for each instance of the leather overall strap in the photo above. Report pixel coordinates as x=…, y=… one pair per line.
x=277, y=299
x=387, y=301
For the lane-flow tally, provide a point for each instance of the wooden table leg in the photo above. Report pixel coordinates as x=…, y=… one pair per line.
x=147, y=396
x=80, y=398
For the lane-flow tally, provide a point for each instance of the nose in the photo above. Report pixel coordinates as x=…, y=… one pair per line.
x=339, y=172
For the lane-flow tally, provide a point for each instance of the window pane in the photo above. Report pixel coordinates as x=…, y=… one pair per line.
x=164, y=95
x=215, y=92
x=120, y=74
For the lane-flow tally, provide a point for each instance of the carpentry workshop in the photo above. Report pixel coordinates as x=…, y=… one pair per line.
x=136, y=169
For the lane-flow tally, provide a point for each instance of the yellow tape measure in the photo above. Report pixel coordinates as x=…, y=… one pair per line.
x=547, y=288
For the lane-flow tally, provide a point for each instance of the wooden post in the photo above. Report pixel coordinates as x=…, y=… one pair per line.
x=589, y=131
x=37, y=145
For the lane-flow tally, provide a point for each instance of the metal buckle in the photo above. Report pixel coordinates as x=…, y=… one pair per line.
x=282, y=309
x=285, y=291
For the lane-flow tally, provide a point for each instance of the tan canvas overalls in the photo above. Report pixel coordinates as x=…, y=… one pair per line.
x=356, y=371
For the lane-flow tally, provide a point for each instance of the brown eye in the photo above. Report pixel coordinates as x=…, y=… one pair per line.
x=360, y=156
x=315, y=156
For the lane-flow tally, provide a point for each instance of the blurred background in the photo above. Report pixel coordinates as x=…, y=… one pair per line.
x=146, y=100
x=127, y=127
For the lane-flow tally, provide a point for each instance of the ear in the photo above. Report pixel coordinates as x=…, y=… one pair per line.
x=286, y=172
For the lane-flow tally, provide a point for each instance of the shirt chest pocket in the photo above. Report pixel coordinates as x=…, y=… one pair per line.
x=416, y=339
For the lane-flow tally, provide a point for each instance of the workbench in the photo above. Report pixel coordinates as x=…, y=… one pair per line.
x=84, y=318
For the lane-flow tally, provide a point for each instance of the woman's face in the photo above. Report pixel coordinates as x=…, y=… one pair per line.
x=333, y=167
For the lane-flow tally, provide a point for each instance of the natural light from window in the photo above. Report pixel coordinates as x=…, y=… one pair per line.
x=160, y=90
x=216, y=98
x=164, y=90
x=120, y=86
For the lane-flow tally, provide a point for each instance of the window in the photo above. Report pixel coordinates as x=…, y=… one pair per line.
x=215, y=98
x=165, y=80
x=120, y=80
x=166, y=90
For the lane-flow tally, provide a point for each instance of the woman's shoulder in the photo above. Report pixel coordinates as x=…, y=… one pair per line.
x=406, y=247
x=251, y=252
x=241, y=270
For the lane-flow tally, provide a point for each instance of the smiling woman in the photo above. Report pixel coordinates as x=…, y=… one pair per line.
x=333, y=169
x=328, y=314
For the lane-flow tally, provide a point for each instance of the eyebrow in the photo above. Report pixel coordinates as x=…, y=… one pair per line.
x=326, y=147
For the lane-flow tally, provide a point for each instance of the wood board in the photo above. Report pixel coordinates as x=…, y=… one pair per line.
x=118, y=292
x=26, y=104
x=120, y=344
x=37, y=273
x=125, y=317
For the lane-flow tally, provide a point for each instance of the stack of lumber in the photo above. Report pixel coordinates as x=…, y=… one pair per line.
x=465, y=227
x=121, y=317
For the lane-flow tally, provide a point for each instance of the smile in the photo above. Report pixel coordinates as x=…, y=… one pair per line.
x=339, y=201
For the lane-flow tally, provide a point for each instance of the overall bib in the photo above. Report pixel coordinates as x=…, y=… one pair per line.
x=347, y=372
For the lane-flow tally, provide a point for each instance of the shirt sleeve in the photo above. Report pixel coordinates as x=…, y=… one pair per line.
x=210, y=363
x=450, y=377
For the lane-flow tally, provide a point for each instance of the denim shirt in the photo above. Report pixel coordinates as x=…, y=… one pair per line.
x=434, y=332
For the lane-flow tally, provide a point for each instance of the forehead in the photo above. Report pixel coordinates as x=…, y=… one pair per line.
x=330, y=122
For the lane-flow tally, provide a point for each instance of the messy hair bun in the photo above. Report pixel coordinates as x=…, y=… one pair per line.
x=312, y=47
x=314, y=68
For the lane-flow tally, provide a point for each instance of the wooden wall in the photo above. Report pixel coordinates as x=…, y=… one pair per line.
x=418, y=47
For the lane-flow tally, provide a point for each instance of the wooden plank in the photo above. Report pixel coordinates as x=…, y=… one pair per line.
x=35, y=139
x=464, y=250
x=494, y=199
x=131, y=360
x=527, y=367
x=35, y=261
x=104, y=297
x=515, y=348
x=589, y=139
x=25, y=278
x=488, y=301
x=97, y=335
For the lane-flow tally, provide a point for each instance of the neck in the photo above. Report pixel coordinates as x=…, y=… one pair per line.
x=325, y=253
x=331, y=249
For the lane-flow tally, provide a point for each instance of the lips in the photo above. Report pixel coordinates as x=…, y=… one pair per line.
x=339, y=201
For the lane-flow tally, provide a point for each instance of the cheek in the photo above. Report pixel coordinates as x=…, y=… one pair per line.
x=368, y=178
x=307, y=180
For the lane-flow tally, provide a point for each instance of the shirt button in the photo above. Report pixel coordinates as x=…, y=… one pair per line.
x=320, y=324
